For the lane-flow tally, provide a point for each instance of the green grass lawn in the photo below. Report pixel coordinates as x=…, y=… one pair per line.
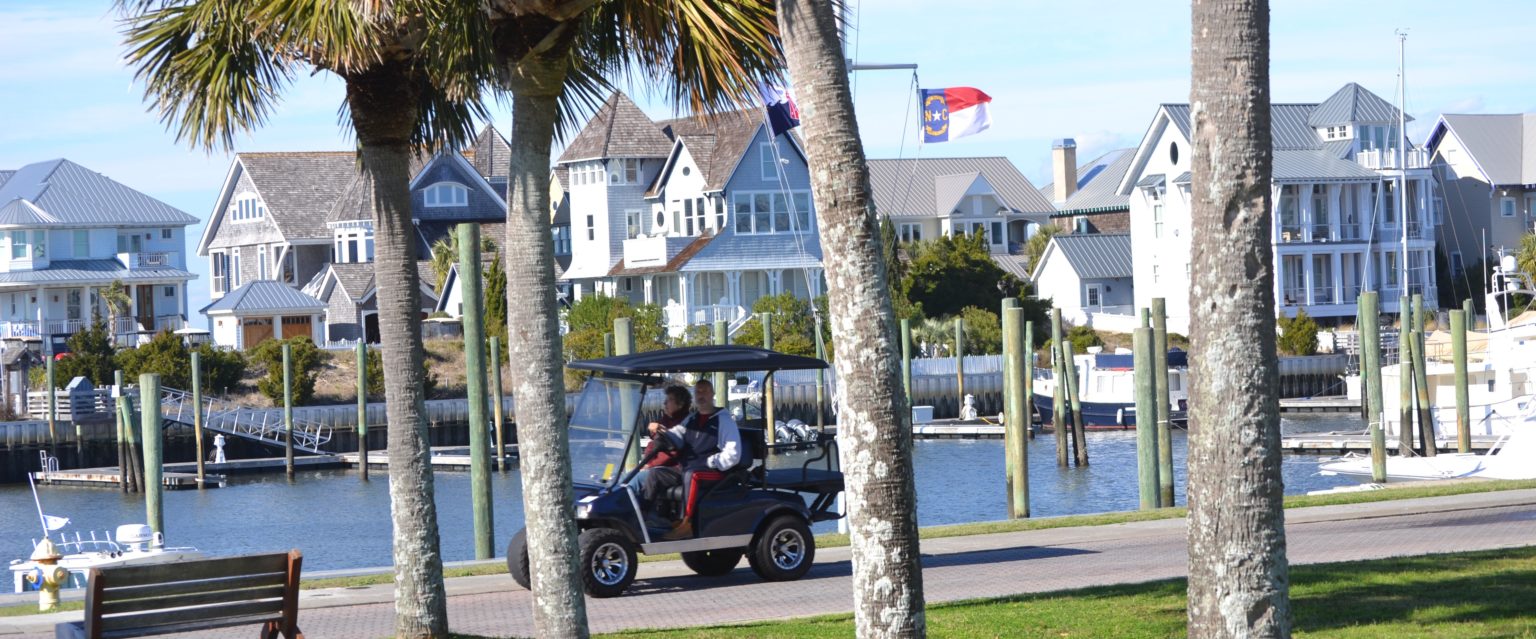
x=1479, y=594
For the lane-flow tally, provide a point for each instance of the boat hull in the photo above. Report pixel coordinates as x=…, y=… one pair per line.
x=1100, y=415
x=80, y=565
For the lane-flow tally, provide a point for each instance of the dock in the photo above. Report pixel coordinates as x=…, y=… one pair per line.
x=183, y=475
x=1332, y=404
x=443, y=458
x=1360, y=442
x=108, y=478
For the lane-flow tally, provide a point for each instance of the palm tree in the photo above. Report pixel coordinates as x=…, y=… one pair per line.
x=445, y=253
x=115, y=296
x=1238, y=575
x=874, y=429
x=555, y=56
x=217, y=67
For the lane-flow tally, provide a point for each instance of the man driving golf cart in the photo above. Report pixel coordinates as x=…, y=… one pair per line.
x=726, y=501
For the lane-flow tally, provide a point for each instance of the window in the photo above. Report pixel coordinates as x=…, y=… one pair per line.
x=770, y=212
x=996, y=235
x=591, y=228
x=719, y=213
x=18, y=245
x=170, y=291
x=1530, y=205
x=769, y=168
x=1157, y=220
x=165, y=234
x=129, y=243
x=39, y=244
x=1507, y=207
x=688, y=216
x=234, y=271
x=81, y=243
x=562, y=235
x=447, y=194
x=780, y=213
x=632, y=224
x=625, y=171
x=1389, y=205
x=1437, y=210
x=802, y=202
x=247, y=208
x=909, y=232
x=1080, y=225
x=1093, y=296
x=220, y=267
x=261, y=262
x=699, y=216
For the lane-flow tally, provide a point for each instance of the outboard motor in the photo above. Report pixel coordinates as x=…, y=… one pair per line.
x=138, y=537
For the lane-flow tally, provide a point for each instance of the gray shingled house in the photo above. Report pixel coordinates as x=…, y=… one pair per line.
x=1486, y=166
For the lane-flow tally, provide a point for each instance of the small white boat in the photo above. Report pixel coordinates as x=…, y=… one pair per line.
x=133, y=545
x=1512, y=457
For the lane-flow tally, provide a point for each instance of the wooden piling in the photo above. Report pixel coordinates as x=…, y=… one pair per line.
x=821, y=380
x=1029, y=381
x=362, y=409
x=906, y=358
x=1405, y=378
x=1059, y=420
x=1163, y=399
x=471, y=284
x=288, y=409
x=769, y=428
x=134, y=469
x=1421, y=398
x=498, y=412
x=53, y=400
x=722, y=337
x=959, y=365
x=197, y=414
x=1015, y=419
x=1459, y=359
x=624, y=344
x=1079, y=437
x=122, y=442
x=1466, y=307
x=1370, y=369
x=154, y=468
x=1146, y=419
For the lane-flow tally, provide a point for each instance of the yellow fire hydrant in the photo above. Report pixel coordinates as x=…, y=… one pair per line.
x=48, y=576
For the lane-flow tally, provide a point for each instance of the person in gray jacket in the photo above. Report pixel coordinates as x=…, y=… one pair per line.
x=707, y=440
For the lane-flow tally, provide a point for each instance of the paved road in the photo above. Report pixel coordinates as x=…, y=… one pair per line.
x=954, y=568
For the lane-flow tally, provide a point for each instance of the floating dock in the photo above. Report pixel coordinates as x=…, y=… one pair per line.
x=1334, y=404
x=108, y=478
x=443, y=458
x=1360, y=442
x=183, y=475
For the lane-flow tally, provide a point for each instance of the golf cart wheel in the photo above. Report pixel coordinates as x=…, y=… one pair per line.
x=713, y=563
x=784, y=550
x=608, y=562
x=517, y=559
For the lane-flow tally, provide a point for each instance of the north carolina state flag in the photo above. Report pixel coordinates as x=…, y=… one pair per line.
x=952, y=113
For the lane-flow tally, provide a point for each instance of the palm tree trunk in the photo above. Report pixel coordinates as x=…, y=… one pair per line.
x=1238, y=574
x=533, y=339
x=383, y=113
x=874, y=429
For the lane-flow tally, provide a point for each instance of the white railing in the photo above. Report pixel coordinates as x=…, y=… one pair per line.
x=157, y=259
x=716, y=313
x=265, y=426
x=1384, y=159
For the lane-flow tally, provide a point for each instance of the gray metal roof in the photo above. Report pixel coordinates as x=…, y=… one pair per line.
x=6, y=175
x=1351, y=104
x=19, y=212
x=1503, y=145
x=1183, y=178
x=1096, y=255
x=99, y=271
x=1015, y=265
x=1155, y=179
x=909, y=188
x=1287, y=125
x=265, y=296
x=948, y=189
x=1317, y=164
x=731, y=251
x=1097, y=185
x=76, y=196
x=1179, y=115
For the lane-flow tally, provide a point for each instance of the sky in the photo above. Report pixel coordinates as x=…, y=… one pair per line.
x=1092, y=71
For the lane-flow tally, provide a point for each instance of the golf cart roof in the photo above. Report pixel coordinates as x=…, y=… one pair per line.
x=699, y=359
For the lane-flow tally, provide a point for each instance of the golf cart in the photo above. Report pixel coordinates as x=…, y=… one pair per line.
x=763, y=508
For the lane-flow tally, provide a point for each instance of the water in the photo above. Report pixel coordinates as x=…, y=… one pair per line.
x=340, y=522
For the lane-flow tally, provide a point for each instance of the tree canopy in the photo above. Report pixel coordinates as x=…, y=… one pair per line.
x=949, y=273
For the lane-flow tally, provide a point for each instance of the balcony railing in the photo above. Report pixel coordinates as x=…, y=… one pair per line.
x=1387, y=159
x=1349, y=231
x=158, y=259
x=1291, y=233
x=1295, y=295
x=1322, y=295
x=1321, y=233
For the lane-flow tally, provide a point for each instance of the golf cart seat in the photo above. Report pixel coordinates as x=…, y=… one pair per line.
x=697, y=484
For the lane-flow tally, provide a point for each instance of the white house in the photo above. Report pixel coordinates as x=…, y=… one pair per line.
x=66, y=233
x=1088, y=277
x=703, y=215
x=1337, y=175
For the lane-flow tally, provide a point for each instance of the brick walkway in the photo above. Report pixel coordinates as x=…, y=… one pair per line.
x=954, y=568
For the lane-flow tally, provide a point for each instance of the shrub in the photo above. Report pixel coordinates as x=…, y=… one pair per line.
x=1298, y=335
x=790, y=317
x=91, y=356
x=983, y=331
x=374, y=364
x=222, y=368
x=307, y=359
x=165, y=355
x=1082, y=337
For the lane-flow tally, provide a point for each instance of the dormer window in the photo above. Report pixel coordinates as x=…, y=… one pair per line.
x=1340, y=132
x=247, y=207
x=447, y=194
x=624, y=171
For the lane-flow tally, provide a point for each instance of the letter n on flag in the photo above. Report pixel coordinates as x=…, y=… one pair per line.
x=953, y=113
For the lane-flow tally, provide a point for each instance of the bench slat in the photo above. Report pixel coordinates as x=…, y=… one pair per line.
x=192, y=570
x=168, y=620
x=119, y=607
x=174, y=588
x=190, y=626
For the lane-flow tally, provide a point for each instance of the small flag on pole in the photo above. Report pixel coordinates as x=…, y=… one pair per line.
x=953, y=113
x=783, y=115
x=54, y=523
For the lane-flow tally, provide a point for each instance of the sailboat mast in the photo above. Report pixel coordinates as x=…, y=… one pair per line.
x=1402, y=154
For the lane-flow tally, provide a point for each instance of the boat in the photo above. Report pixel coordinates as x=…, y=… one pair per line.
x=1513, y=456
x=132, y=545
x=1106, y=384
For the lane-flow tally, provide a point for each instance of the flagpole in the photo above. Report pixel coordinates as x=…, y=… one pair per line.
x=37, y=502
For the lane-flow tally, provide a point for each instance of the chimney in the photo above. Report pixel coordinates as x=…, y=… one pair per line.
x=1064, y=168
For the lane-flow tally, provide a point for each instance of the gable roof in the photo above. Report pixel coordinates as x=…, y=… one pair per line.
x=911, y=188
x=1098, y=183
x=948, y=189
x=1502, y=145
x=717, y=142
x=619, y=129
x=265, y=296
x=1351, y=104
x=300, y=189
x=1298, y=165
x=1092, y=255
x=62, y=192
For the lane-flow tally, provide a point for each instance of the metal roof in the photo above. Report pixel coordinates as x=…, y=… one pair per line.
x=6, y=175
x=1015, y=265
x=19, y=212
x=948, y=189
x=1287, y=125
x=909, y=188
x=76, y=196
x=731, y=251
x=1183, y=178
x=1503, y=145
x=265, y=296
x=1316, y=164
x=1351, y=104
x=1155, y=179
x=101, y=271
x=1094, y=255
x=1098, y=185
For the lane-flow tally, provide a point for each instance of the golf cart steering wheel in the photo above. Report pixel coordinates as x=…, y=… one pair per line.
x=663, y=442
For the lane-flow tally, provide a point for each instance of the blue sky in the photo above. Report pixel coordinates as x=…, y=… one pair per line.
x=1094, y=71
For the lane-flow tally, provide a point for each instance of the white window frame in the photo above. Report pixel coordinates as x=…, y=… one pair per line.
x=446, y=195
x=591, y=228
x=165, y=234
x=1457, y=265
x=1530, y=204
x=261, y=262
x=768, y=166
x=795, y=219
x=909, y=231
x=1507, y=207
x=218, y=269
x=1157, y=219
x=1437, y=209
x=634, y=220
x=1093, y=296
x=247, y=207
x=234, y=270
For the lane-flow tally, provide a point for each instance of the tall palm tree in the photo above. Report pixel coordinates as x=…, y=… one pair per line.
x=555, y=56
x=216, y=67
x=874, y=428
x=1238, y=575
x=115, y=296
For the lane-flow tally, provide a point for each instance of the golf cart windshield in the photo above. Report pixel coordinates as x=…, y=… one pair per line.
x=601, y=425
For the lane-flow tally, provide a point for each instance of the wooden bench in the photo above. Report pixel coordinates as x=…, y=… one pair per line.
x=136, y=601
